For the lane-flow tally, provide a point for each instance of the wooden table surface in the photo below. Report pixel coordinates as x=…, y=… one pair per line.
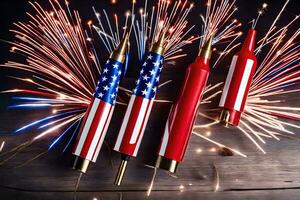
x=274, y=175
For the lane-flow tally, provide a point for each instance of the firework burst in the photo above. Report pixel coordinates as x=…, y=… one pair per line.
x=277, y=76
x=64, y=64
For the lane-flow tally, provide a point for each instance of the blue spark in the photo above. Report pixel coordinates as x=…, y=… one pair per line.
x=59, y=138
x=31, y=99
x=74, y=133
x=45, y=119
x=41, y=105
x=282, y=68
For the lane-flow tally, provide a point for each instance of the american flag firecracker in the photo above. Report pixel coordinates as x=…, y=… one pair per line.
x=139, y=107
x=238, y=82
x=184, y=111
x=98, y=116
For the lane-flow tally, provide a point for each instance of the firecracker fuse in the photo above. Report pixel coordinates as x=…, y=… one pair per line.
x=238, y=82
x=98, y=116
x=184, y=111
x=139, y=107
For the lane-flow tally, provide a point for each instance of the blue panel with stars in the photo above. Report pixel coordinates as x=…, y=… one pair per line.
x=108, y=84
x=147, y=83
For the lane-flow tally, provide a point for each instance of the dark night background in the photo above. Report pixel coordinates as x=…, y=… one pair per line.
x=15, y=10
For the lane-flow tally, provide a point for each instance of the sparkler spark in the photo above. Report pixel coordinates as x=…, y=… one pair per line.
x=2, y=146
x=152, y=182
x=260, y=13
x=108, y=32
x=217, y=178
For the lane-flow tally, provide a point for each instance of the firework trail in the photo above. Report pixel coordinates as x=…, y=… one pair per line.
x=277, y=76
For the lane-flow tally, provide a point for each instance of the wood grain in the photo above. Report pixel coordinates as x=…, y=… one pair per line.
x=274, y=175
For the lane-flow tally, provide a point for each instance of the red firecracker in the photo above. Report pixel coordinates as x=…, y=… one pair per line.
x=238, y=82
x=184, y=111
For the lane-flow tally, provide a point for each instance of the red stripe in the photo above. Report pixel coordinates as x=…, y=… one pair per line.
x=148, y=109
x=235, y=83
x=285, y=116
x=134, y=113
x=126, y=147
x=38, y=93
x=83, y=124
x=234, y=87
x=92, y=130
x=102, y=132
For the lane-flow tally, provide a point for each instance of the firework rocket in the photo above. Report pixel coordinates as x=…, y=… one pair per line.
x=184, y=111
x=139, y=108
x=238, y=82
x=97, y=119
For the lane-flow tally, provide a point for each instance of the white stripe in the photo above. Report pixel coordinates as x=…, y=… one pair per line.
x=165, y=139
x=243, y=85
x=87, y=127
x=104, y=134
x=98, y=132
x=124, y=124
x=228, y=81
x=139, y=121
x=143, y=129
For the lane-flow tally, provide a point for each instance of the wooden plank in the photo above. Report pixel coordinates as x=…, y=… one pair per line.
x=51, y=174
x=277, y=169
x=155, y=195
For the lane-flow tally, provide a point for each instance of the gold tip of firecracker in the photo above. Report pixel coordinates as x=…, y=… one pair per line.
x=81, y=164
x=206, y=50
x=166, y=164
x=225, y=117
x=121, y=172
x=158, y=47
x=119, y=54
